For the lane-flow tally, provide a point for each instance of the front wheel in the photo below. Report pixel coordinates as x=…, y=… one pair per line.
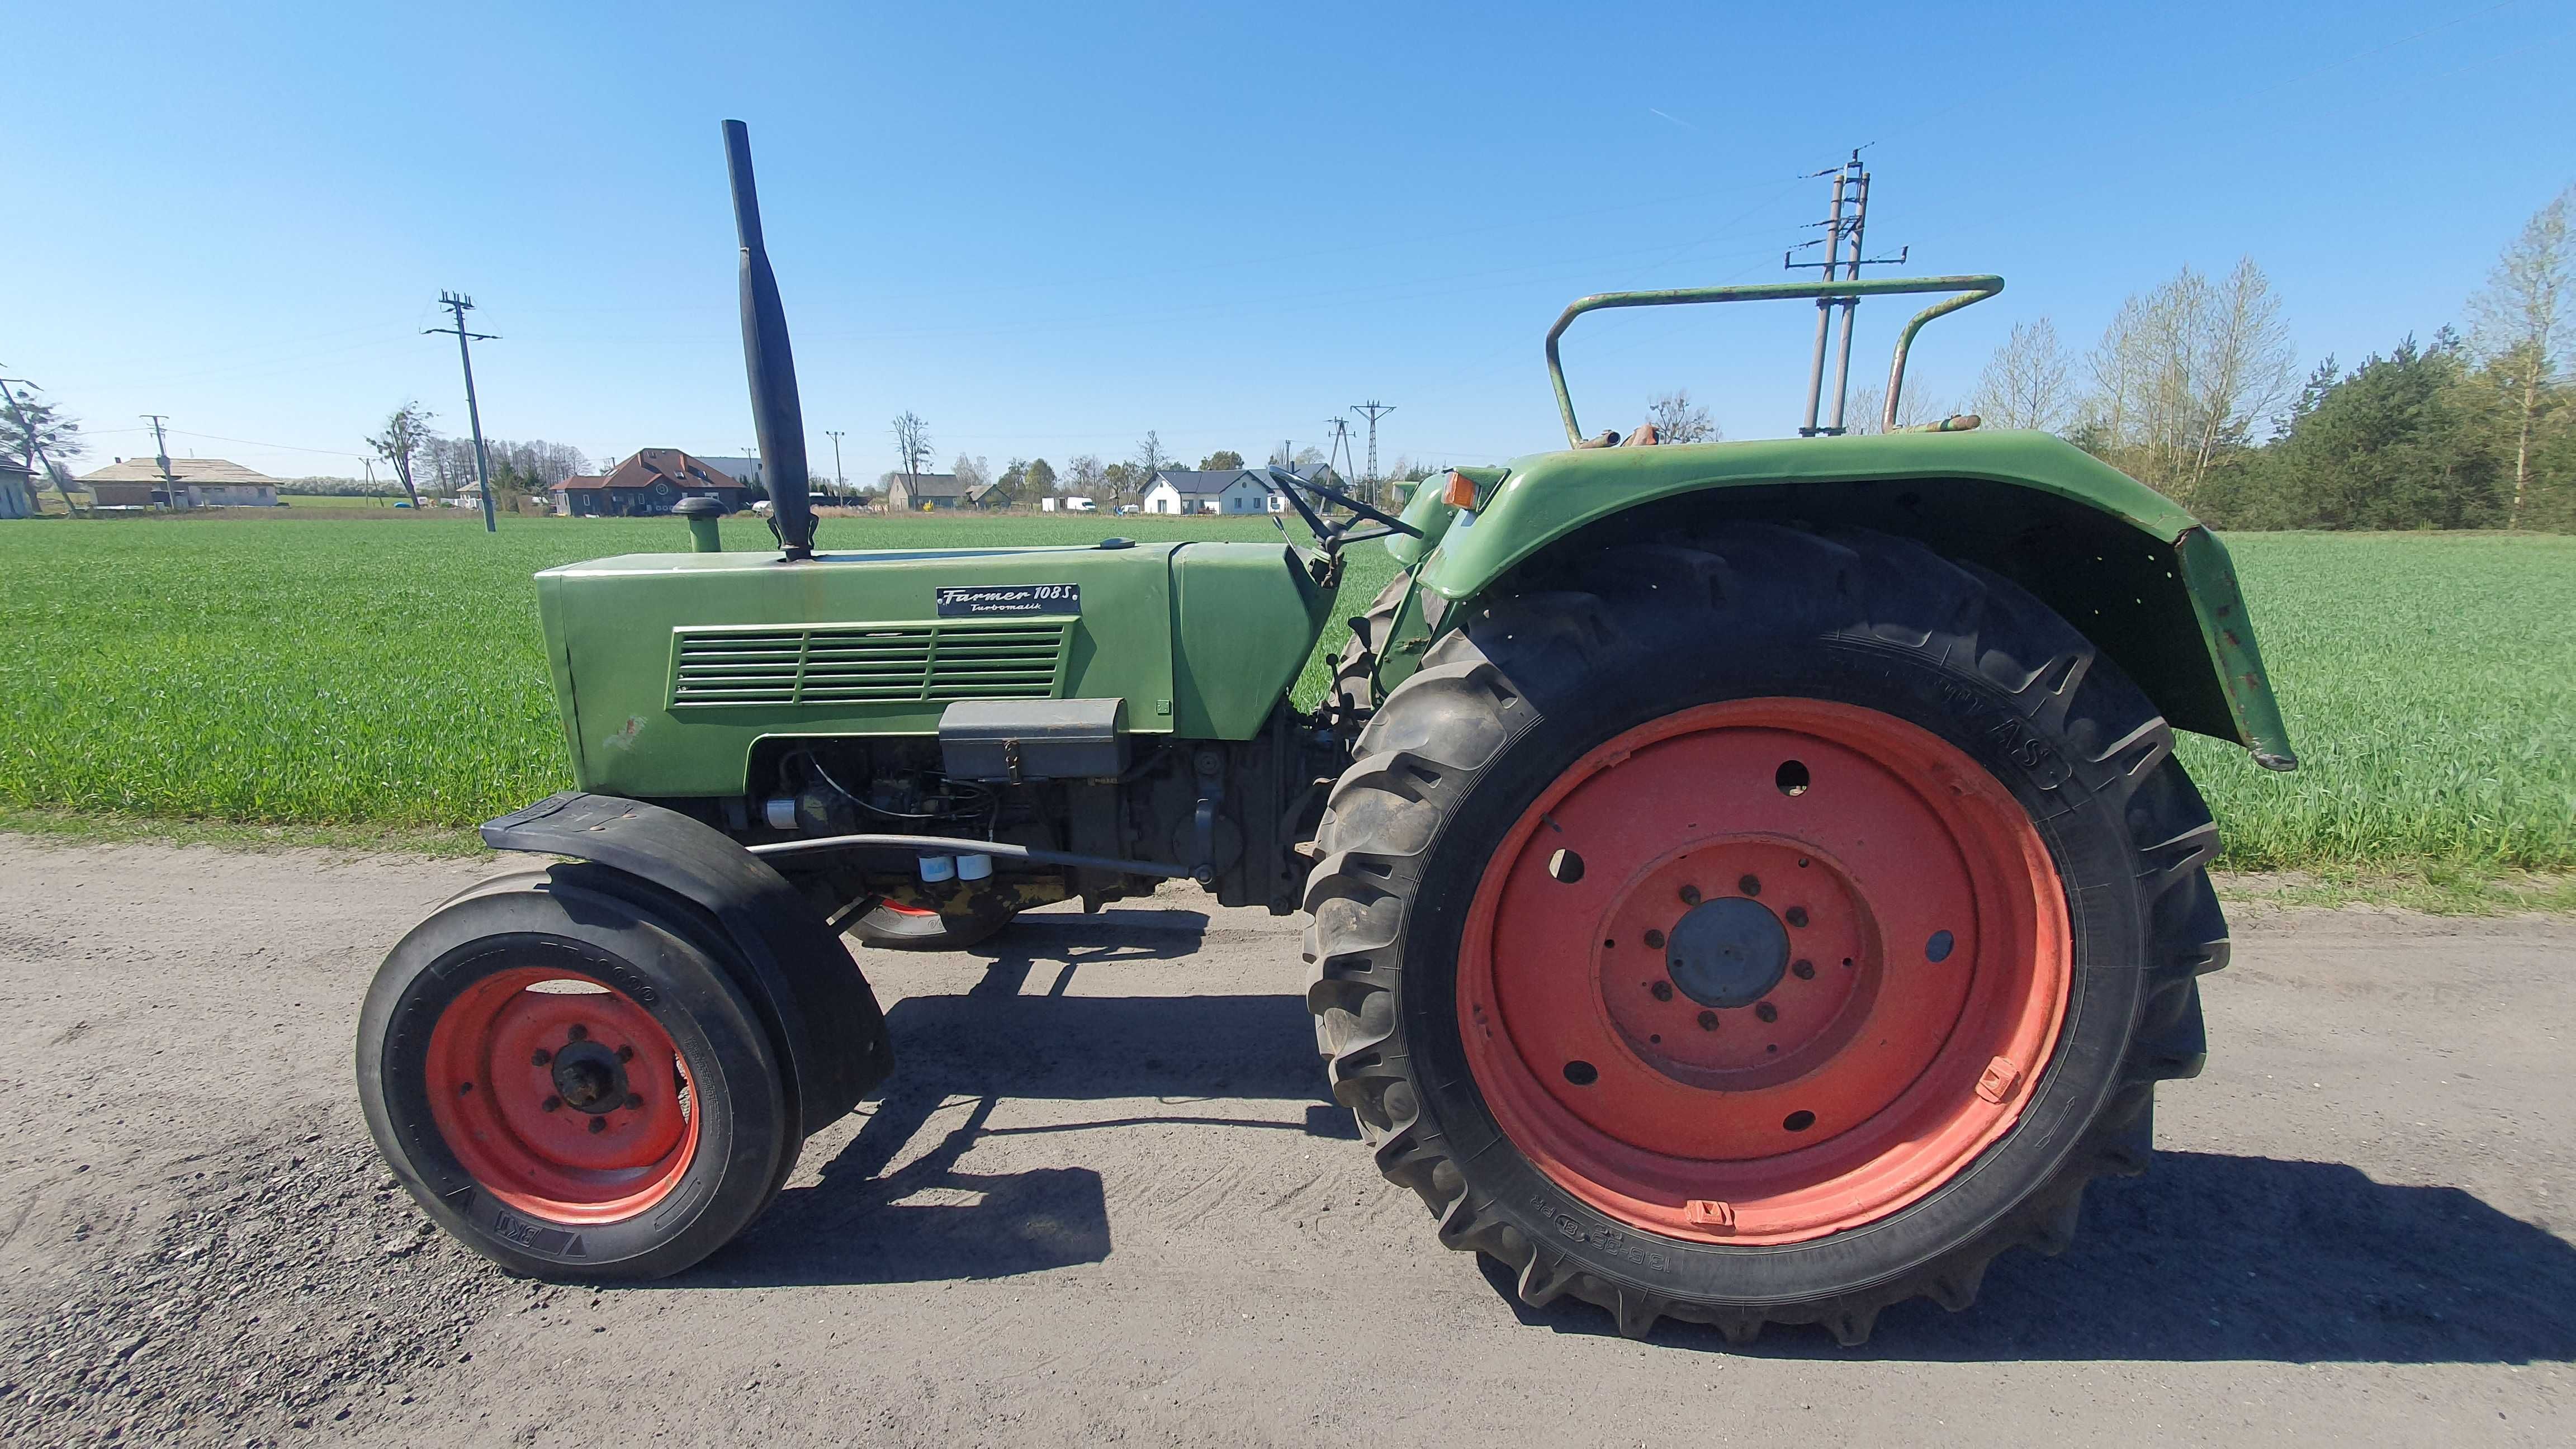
x=1760, y=927
x=891, y=927
x=570, y=1084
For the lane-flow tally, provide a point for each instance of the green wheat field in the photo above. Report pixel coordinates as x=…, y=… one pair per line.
x=388, y=675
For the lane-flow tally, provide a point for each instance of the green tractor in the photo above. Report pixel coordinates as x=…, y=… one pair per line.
x=1748, y=882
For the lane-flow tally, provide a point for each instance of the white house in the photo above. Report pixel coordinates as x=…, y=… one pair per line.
x=1223, y=490
x=202, y=483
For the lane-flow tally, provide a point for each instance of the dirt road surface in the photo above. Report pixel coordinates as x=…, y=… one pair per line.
x=1105, y=1200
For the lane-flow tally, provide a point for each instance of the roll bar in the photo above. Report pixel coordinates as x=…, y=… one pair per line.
x=1973, y=289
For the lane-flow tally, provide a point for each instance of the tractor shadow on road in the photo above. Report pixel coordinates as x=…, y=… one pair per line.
x=1016, y=1034
x=2212, y=1257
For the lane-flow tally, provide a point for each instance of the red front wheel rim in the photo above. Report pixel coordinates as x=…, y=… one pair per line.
x=1761, y=971
x=561, y=1096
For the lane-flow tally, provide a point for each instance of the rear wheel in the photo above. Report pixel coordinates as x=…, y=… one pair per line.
x=569, y=1083
x=909, y=928
x=1761, y=927
x=1355, y=666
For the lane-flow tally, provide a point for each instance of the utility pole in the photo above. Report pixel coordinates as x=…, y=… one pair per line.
x=1340, y=447
x=1372, y=410
x=840, y=485
x=1843, y=226
x=459, y=304
x=161, y=455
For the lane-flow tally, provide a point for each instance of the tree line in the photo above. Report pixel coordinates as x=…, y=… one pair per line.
x=1085, y=475
x=2192, y=391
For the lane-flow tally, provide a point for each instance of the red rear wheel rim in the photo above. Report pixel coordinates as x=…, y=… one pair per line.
x=561, y=1096
x=1765, y=970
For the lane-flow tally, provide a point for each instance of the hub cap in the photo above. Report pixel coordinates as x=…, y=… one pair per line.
x=562, y=1097
x=1818, y=959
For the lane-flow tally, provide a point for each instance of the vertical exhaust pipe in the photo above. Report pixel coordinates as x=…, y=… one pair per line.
x=776, y=415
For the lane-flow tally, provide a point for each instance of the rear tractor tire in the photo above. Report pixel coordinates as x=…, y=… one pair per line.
x=566, y=1079
x=1758, y=927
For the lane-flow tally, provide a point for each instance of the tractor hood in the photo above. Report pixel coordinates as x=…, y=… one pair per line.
x=670, y=667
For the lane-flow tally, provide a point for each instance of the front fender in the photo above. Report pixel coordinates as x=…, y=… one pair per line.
x=2138, y=575
x=784, y=955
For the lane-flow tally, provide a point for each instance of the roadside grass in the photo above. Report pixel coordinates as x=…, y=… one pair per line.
x=373, y=683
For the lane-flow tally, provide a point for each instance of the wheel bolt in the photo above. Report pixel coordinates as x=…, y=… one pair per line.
x=1663, y=990
x=1766, y=1011
x=1751, y=885
x=626, y=1054
x=1690, y=895
x=598, y=1125
x=1708, y=1021
x=1803, y=970
x=540, y=1057
x=634, y=1100
x=463, y=1088
x=576, y=1032
x=1654, y=940
x=1797, y=915
x=550, y=1104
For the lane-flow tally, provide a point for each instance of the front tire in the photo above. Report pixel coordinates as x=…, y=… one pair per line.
x=890, y=927
x=1551, y=985
x=569, y=1083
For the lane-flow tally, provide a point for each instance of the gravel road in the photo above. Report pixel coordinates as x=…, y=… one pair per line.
x=1104, y=1199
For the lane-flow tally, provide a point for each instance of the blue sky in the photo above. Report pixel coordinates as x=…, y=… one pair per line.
x=1048, y=229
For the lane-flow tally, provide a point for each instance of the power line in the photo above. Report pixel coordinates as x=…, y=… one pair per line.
x=458, y=304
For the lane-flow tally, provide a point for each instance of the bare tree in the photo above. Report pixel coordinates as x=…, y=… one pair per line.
x=38, y=433
x=2183, y=372
x=1150, y=460
x=912, y=449
x=1677, y=419
x=2519, y=326
x=406, y=431
x=972, y=475
x=1084, y=476
x=2242, y=365
x=1868, y=411
x=2028, y=382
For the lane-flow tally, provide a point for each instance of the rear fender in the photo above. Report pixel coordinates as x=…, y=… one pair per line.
x=2138, y=575
x=783, y=955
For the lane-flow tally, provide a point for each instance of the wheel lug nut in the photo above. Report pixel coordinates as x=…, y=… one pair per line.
x=626, y=1054
x=1803, y=970
x=1751, y=885
x=551, y=1103
x=1767, y=1011
x=576, y=1032
x=598, y=1125
x=1708, y=1021
x=540, y=1057
x=634, y=1100
x=1797, y=915
x=1663, y=990
x=1690, y=895
x=1654, y=940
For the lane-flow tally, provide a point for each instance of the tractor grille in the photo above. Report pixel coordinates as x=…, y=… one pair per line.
x=841, y=664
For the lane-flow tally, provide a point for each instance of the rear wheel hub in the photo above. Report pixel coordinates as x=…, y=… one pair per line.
x=1727, y=952
x=1765, y=970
